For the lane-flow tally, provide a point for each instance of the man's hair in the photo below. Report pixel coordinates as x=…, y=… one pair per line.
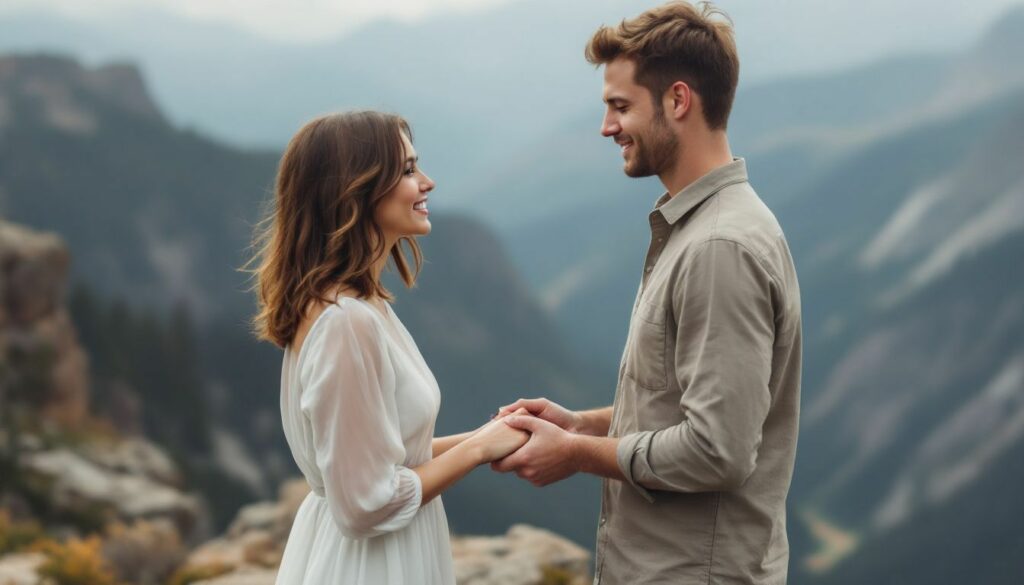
x=674, y=42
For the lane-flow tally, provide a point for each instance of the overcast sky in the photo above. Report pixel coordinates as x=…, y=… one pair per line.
x=302, y=21
x=292, y=20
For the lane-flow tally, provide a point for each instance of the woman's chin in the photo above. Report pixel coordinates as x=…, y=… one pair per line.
x=423, y=227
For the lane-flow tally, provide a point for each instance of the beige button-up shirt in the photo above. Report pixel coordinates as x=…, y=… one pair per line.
x=708, y=397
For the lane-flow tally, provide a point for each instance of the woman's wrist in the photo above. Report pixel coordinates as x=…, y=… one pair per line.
x=471, y=451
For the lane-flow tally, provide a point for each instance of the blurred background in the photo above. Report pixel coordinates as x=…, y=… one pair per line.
x=138, y=145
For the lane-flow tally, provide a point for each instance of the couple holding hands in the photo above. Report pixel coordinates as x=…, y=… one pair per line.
x=696, y=454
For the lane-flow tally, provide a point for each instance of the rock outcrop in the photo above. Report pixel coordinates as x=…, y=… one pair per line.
x=525, y=555
x=39, y=354
x=20, y=568
x=75, y=484
x=64, y=470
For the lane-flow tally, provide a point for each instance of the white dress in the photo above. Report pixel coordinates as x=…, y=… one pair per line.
x=358, y=405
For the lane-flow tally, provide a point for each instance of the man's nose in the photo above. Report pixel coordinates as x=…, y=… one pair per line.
x=609, y=128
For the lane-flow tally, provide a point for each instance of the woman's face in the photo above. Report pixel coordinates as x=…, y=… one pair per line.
x=403, y=211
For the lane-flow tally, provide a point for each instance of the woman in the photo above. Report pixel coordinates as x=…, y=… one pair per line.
x=358, y=402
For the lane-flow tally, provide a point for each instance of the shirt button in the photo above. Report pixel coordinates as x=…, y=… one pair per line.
x=648, y=269
x=602, y=520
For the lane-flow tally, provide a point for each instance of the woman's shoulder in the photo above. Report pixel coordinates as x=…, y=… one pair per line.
x=349, y=312
x=346, y=320
x=345, y=327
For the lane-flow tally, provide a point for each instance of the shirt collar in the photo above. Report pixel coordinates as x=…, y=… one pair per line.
x=696, y=192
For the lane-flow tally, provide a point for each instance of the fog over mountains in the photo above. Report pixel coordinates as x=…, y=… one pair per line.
x=480, y=87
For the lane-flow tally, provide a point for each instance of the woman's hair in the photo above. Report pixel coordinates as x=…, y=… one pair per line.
x=320, y=232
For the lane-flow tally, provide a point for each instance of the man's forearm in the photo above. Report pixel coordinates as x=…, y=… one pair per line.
x=597, y=456
x=595, y=422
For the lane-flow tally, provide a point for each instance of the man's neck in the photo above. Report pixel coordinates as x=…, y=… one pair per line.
x=696, y=160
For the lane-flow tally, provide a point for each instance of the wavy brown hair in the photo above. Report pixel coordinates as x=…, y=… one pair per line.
x=677, y=41
x=319, y=232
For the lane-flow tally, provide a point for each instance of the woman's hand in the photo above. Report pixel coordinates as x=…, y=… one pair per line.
x=543, y=408
x=496, y=439
x=441, y=445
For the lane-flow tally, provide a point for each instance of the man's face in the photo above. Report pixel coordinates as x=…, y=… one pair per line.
x=649, y=147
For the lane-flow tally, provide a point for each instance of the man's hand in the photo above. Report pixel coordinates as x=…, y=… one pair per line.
x=545, y=409
x=549, y=456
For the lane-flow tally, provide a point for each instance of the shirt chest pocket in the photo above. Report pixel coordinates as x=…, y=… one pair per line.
x=645, y=350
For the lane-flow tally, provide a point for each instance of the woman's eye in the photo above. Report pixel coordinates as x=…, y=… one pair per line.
x=410, y=170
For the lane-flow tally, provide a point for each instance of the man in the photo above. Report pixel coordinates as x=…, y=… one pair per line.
x=697, y=451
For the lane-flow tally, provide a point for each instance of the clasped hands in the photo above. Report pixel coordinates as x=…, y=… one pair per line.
x=547, y=449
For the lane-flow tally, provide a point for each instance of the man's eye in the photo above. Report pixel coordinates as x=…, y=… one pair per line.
x=621, y=109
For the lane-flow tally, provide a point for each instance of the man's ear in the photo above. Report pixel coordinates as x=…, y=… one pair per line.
x=679, y=100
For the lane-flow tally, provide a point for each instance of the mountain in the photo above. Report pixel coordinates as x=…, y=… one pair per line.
x=492, y=107
x=158, y=220
x=87, y=151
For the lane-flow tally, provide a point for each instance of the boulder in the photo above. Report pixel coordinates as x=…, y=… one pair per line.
x=245, y=576
x=78, y=484
x=525, y=555
x=38, y=343
x=20, y=568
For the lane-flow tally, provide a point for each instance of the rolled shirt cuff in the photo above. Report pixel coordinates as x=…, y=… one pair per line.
x=631, y=454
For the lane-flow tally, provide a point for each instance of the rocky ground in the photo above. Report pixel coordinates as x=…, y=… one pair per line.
x=525, y=555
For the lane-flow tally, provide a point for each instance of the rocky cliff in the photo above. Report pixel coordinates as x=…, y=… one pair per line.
x=65, y=473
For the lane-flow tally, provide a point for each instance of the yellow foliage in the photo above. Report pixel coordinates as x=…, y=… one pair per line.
x=15, y=536
x=556, y=576
x=193, y=573
x=76, y=562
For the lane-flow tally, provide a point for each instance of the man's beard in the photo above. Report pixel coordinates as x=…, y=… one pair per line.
x=655, y=151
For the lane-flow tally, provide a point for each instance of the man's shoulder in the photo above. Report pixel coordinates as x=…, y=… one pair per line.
x=735, y=219
x=737, y=214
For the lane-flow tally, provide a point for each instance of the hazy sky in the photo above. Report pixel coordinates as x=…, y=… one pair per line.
x=775, y=37
x=302, y=21
x=291, y=20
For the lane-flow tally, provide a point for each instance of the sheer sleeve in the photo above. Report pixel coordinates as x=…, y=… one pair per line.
x=348, y=395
